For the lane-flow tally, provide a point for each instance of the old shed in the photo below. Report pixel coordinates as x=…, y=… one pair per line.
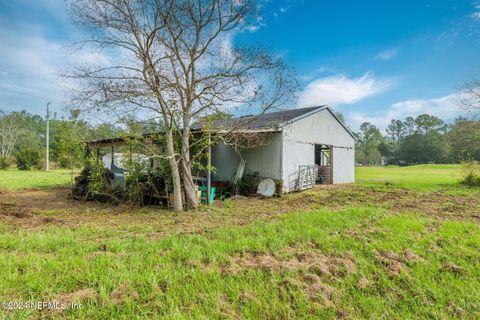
x=296, y=148
x=301, y=143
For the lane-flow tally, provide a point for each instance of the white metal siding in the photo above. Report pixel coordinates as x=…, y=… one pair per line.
x=266, y=160
x=293, y=147
x=295, y=153
x=320, y=128
x=343, y=165
x=299, y=138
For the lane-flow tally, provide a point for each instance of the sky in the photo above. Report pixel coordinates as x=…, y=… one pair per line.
x=371, y=60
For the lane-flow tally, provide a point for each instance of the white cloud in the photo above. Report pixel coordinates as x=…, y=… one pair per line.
x=30, y=65
x=339, y=89
x=253, y=28
x=476, y=14
x=446, y=107
x=281, y=10
x=323, y=69
x=33, y=53
x=387, y=54
x=310, y=76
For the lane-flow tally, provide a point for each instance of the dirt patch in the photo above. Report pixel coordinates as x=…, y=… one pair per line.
x=363, y=283
x=78, y=296
x=122, y=293
x=67, y=299
x=316, y=290
x=314, y=262
x=13, y=210
x=438, y=204
x=391, y=262
x=314, y=287
x=457, y=311
x=247, y=297
x=294, y=260
x=451, y=267
x=365, y=233
x=411, y=257
x=315, y=270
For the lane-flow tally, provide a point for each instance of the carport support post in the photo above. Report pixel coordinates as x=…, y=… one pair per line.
x=209, y=174
x=331, y=164
x=112, y=160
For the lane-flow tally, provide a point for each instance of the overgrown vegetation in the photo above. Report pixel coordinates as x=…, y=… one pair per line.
x=145, y=177
x=5, y=163
x=471, y=174
x=28, y=158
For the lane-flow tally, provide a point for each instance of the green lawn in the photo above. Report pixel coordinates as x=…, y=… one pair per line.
x=359, y=262
x=17, y=179
x=420, y=177
x=369, y=251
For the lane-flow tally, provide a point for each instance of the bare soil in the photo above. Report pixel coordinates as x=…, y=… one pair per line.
x=31, y=208
x=311, y=261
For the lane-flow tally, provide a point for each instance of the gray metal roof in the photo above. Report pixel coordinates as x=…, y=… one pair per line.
x=265, y=121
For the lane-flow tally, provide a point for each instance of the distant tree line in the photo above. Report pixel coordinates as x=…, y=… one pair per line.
x=424, y=139
x=22, y=140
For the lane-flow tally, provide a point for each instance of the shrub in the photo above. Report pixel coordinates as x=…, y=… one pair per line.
x=94, y=183
x=5, y=163
x=248, y=184
x=98, y=179
x=278, y=186
x=471, y=174
x=27, y=158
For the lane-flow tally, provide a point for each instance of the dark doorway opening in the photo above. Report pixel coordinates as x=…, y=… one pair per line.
x=323, y=160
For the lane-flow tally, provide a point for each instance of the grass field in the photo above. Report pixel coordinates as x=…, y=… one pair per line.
x=420, y=177
x=17, y=179
x=365, y=251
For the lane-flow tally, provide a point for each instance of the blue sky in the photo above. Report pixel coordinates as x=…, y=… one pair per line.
x=371, y=60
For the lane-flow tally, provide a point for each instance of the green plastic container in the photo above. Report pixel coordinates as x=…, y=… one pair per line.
x=204, y=194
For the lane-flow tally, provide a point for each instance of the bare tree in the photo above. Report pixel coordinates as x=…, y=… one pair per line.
x=10, y=131
x=471, y=95
x=175, y=61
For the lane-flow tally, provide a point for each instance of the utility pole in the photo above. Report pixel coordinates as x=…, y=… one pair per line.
x=47, y=138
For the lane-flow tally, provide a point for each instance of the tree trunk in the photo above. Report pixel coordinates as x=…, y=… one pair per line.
x=189, y=186
x=188, y=183
x=177, y=185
